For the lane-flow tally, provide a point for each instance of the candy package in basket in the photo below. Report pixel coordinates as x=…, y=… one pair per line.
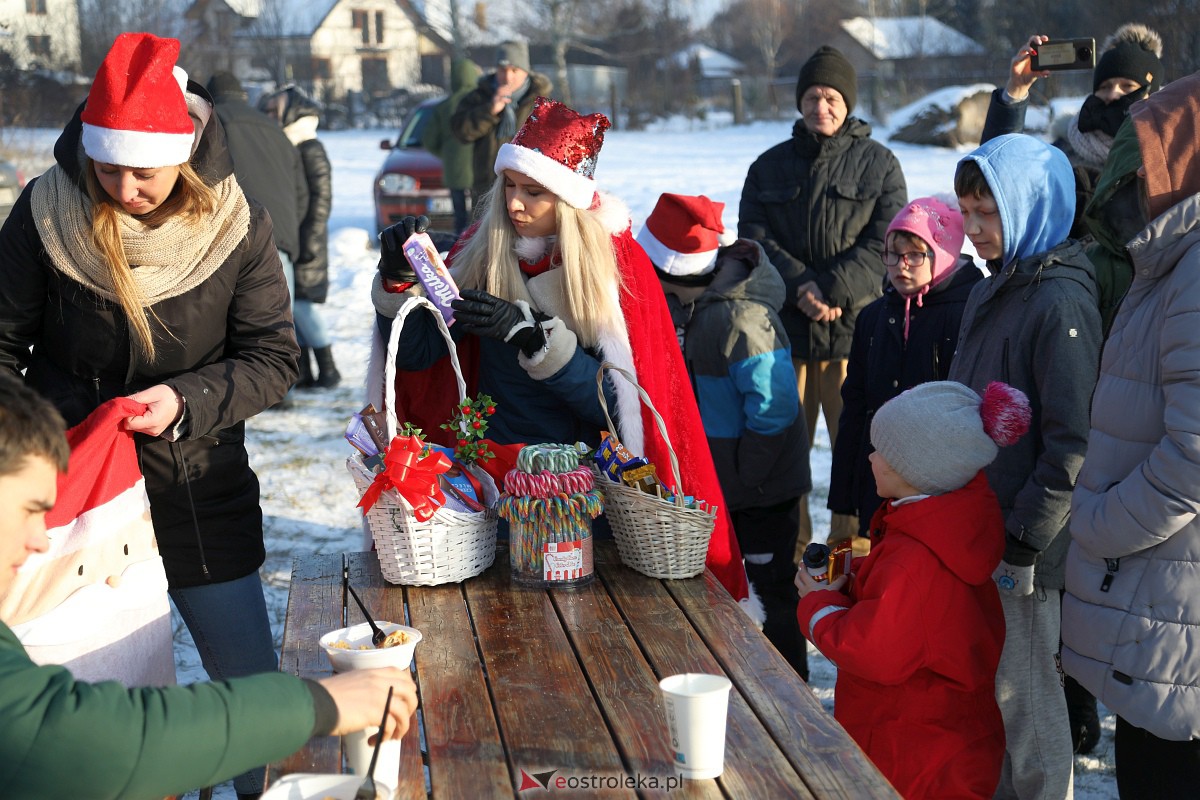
x=428, y=476
x=613, y=460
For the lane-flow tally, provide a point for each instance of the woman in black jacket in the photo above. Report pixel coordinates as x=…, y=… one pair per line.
x=136, y=267
x=299, y=115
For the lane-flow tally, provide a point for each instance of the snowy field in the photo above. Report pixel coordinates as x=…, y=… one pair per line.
x=299, y=454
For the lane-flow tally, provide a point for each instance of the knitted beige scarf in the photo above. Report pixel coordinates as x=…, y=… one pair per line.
x=169, y=260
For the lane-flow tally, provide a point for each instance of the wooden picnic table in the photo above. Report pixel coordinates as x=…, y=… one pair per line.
x=516, y=683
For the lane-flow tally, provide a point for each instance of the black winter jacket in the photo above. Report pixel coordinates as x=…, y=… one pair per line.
x=882, y=365
x=820, y=206
x=227, y=346
x=268, y=168
x=312, y=265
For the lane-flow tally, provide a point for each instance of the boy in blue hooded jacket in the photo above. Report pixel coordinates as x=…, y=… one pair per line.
x=1034, y=323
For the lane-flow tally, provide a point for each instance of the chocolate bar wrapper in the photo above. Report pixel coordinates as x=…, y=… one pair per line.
x=359, y=437
x=432, y=273
x=376, y=425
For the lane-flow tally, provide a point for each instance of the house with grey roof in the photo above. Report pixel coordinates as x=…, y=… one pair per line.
x=901, y=58
x=331, y=48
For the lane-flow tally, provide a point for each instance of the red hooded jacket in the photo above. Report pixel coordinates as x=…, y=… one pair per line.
x=917, y=642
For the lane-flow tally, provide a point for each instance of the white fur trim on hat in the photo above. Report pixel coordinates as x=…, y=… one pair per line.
x=674, y=262
x=575, y=189
x=137, y=148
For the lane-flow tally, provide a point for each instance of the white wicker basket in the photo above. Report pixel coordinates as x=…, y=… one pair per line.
x=448, y=547
x=656, y=537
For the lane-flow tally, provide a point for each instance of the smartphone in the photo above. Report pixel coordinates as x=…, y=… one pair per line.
x=1068, y=54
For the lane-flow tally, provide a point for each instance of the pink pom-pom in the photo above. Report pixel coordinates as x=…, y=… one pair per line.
x=1005, y=412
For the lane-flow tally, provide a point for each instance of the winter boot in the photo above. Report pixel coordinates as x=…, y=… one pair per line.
x=306, y=380
x=329, y=376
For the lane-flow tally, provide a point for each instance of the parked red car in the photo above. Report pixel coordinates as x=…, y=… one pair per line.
x=410, y=180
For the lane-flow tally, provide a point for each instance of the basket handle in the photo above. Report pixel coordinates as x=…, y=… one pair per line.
x=658, y=420
x=389, y=367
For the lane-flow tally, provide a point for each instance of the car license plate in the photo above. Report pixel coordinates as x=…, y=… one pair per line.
x=441, y=205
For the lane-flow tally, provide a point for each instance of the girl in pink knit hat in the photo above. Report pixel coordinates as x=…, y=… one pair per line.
x=905, y=338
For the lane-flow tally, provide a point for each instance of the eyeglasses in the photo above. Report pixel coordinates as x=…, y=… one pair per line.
x=914, y=260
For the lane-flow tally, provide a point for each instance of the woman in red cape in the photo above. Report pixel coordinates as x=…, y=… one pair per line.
x=553, y=284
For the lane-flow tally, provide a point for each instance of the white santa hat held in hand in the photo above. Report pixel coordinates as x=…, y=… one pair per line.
x=136, y=114
x=682, y=235
x=557, y=147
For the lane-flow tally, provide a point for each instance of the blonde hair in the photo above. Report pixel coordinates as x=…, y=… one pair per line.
x=190, y=197
x=584, y=251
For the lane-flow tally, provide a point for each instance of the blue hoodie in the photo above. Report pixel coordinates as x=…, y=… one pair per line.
x=1034, y=189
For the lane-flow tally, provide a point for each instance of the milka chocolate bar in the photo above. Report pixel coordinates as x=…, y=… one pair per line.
x=432, y=273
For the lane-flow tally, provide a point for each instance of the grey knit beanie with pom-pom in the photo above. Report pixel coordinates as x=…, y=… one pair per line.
x=938, y=435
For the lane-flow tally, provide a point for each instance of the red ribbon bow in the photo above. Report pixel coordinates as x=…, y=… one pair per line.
x=413, y=476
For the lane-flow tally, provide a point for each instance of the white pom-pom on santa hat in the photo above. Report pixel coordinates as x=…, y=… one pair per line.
x=683, y=233
x=136, y=114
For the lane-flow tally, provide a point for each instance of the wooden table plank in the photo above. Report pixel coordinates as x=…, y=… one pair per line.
x=548, y=715
x=830, y=763
x=754, y=765
x=626, y=688
x=314, y=608
x=466, y=757
x=388, y=606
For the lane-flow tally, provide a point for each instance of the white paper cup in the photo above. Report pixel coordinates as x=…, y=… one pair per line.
x=696, y=706
x=358, y=758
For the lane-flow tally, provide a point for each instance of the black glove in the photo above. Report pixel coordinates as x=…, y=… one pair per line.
x=392, y=263
x=485, y=314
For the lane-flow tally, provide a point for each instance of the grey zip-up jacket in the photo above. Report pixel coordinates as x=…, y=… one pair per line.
x=1132, y=605
x=1035, y=325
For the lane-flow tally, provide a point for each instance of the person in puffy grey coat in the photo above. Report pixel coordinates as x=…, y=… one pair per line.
x=1133, y=568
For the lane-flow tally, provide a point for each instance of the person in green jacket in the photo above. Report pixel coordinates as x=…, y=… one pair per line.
x=457, y=171
x=65, y=738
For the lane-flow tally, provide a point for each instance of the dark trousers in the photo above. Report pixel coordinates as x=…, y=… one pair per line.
x=772, y=530
x=461, y=217
x=1150, y=768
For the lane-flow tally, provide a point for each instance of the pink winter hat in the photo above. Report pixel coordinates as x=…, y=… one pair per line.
x=938, y=225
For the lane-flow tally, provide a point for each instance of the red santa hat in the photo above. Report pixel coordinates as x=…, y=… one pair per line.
x=683, y=233
x=136, y=114
x=557, y=147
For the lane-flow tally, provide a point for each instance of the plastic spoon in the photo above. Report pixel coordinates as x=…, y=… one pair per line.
x=377, y=634
x=367, y=790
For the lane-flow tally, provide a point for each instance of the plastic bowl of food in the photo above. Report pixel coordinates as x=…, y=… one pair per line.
x=350, y=648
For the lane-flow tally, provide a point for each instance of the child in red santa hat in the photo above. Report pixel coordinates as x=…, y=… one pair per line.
x=724, y=296
x=553, y=284
x=916, y=629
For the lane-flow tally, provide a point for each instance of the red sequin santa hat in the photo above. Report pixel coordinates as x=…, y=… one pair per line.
x=136, y=114
x=682, y=235
x=558, y=148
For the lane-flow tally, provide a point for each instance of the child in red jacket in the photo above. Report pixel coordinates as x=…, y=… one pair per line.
x=916, y=629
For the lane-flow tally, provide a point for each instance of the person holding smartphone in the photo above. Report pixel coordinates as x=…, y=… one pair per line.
x=1128, y=69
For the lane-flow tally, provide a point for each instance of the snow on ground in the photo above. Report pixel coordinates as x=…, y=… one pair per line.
x=299, y=454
